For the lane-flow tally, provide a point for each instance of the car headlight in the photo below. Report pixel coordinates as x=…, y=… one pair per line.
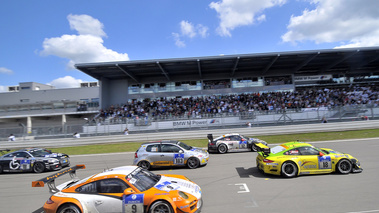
x=53, y=160
x=183, y=195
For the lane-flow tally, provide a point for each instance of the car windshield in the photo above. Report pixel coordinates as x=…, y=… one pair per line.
x=184, y=146
x=244, y=137
x=39, y=153
x=277, y=149
x=142, y=179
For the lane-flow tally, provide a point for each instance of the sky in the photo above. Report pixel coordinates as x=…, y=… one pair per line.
x=42, y=40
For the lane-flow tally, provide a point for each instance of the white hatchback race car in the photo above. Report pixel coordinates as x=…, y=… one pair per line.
x=170, y=153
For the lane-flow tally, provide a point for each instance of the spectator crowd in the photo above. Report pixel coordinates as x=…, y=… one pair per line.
x=237, y=103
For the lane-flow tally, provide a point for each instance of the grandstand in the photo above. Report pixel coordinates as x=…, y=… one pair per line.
x=136, y=82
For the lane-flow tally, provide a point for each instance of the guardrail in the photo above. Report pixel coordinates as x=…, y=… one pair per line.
x=198, y=134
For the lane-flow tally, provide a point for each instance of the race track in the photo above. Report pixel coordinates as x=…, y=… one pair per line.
x=231, y=183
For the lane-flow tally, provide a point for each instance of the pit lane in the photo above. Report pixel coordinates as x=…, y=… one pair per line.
x=231, y=183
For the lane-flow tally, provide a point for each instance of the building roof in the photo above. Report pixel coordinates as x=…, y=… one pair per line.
x=349, y=62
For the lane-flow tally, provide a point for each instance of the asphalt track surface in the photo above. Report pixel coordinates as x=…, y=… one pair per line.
x=231, y=183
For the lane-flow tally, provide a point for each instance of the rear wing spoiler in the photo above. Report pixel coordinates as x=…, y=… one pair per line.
x=50, y=180
x=263, y=148
x=210, y=137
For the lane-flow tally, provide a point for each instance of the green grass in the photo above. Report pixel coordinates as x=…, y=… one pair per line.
x=306, y=137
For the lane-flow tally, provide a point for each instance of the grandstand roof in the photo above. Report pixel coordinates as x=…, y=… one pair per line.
x=349, y=62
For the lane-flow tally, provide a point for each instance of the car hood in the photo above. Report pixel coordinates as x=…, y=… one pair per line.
x=257, y=140
x=168, y=184
x=198, y=150
x=56, y=155
x=337, y=153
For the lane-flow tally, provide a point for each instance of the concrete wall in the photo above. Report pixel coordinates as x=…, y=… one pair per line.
x=47, y=96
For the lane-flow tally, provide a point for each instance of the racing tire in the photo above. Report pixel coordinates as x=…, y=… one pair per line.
x=344, y=166
x=38, y=167
x=68, y=208
x=193, y=163
x=144, y=164
x=222, y=149
x=161, y=207
x=289, y=169
x=254, y=148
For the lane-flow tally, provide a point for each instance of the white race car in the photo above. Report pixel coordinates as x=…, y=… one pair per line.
x=233, y=142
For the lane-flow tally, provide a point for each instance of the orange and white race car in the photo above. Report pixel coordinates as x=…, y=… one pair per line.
x=122, y=189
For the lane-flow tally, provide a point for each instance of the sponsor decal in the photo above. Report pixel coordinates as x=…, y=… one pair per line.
x=58, y=174
x=162, y=162
x=162, y=194
x=243, y=144
x=311, y=78
x=25, y=164
x=166, y=186
x=308, y=166
x=188, y=123
x=325, y=162
x=14, y=165
x=179, y=159
x=133, y=203
x=183, y=207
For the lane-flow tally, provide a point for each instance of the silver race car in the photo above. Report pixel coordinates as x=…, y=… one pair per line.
x=33, y=160
x=232, y=143
x=170, y=153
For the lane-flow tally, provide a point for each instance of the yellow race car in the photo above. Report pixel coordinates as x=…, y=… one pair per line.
x=296, y=158
x=122, y=189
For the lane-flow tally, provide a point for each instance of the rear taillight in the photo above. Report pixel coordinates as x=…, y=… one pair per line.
x=135, y=155
x=267, y=161
x=49, y=201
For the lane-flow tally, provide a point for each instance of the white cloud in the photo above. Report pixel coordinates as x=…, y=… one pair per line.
x=352, y=23
x=178, y=41
x=86, y=25
x=4, y=70
x=85, y=47
x=202, y=30
x=189, y=30
x=236, y=13
x=66, y=82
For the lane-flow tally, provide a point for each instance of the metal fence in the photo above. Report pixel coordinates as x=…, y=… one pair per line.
x=107, y=126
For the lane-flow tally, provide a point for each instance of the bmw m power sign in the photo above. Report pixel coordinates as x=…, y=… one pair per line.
x=133, y=203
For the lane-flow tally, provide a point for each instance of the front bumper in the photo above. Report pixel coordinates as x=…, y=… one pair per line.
x=356, y=166
x=204, y=160
x=356, y=169
x=65, y=162
x=53, y=166
x=192, y=208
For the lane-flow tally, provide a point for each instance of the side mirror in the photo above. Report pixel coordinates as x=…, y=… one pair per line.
x=181, y=151
x=129, y=191
x=321, y=154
